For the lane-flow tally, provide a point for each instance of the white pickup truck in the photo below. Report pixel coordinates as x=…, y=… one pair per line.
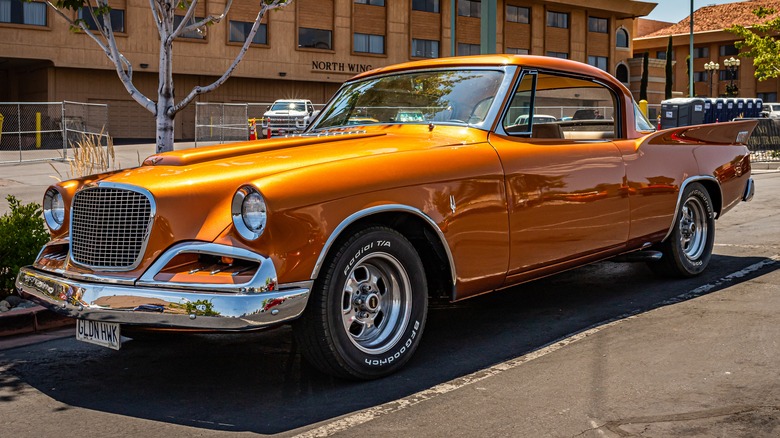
x=288, y=116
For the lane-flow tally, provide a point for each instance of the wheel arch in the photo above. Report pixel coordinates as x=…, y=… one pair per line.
x=711, y=184
x=421, y=230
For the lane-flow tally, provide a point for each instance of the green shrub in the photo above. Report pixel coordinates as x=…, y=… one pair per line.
x=22, y=234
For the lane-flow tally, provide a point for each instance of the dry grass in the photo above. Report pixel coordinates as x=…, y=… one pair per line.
x=90, y=156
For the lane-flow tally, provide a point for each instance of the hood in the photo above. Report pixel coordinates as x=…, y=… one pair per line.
x=193, y=188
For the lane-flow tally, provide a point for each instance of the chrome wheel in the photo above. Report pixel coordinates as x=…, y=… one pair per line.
x=688, y=249
x=376, y=303
x=366, y=313
x=693, y=228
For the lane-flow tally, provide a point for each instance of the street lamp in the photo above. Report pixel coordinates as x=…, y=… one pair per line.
x=712, y=68
x=732, y=65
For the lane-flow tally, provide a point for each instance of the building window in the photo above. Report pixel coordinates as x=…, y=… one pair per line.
x=517, y=14
x=728, y=50
x=371, y=2
x=725, y=75
x=470, y=8
x=598, y=61
x=468, y=49
x=197, y=34
x=426, y=5
x=621, y=38
x=20, y=12
x=621, y=73
x=562, y=55
x=558, y=19
x=600, y=25
x=117, y=19
x=700, y=76
x=366, y=43
x=425, y=48
x=315, y=38
x=767, y=97
x=239, y=31
x=701, y=52
x=515, y=51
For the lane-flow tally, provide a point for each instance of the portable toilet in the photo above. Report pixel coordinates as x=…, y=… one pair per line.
x=708, y=109
x=741, y=108
x=730, y=110
x=750, y=108
x=759, y=107
x=682, y=112
x=719, y=111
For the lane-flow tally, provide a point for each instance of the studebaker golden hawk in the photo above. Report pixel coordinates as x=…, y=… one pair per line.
x=346, y=230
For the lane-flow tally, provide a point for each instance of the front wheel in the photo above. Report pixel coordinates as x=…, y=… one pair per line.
x=367, y=311
x=687, y=251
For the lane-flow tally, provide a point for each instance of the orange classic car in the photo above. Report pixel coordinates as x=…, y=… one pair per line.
x=346, y=230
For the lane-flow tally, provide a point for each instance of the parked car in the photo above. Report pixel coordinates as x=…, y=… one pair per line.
x=538, y=119
x=771, y=110
x=346, y=231
x=288, y=116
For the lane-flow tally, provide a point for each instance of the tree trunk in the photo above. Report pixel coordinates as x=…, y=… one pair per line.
x=165, y=92
x=164, y=126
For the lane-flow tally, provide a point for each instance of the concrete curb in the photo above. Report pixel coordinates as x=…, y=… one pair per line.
x=31, y=320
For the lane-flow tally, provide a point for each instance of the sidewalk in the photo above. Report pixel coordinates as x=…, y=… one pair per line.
x=29, y=180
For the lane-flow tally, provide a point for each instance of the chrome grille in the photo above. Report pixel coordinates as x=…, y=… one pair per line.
x=109, y=227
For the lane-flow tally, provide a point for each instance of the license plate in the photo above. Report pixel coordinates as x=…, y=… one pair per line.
x=101, y=333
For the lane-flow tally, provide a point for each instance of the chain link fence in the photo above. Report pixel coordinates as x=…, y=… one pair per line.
x=227, y=122
x=31, y=131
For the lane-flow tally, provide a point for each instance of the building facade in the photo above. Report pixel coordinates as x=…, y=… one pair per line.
x=711, y=44
x=305, y=50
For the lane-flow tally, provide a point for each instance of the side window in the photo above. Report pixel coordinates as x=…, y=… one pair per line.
x=562, y=107
x=518, y=115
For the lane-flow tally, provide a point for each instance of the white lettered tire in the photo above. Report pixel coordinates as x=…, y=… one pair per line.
x=367, y=310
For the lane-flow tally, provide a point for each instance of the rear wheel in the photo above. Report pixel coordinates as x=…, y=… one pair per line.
x=687, y=251
x=367, y=311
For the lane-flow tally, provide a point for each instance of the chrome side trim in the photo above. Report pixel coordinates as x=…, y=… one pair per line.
x=263, y=281
x=152, y=307
x=679, y=197
x=382, y=209
x=750, y=190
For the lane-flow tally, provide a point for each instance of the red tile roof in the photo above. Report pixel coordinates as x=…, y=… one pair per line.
x=718, y=17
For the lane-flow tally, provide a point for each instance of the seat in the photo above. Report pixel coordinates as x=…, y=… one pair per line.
x=546, y=130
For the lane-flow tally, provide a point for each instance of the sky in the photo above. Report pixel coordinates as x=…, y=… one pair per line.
x=675, y=10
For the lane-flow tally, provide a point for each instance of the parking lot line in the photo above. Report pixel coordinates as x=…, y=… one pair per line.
x=369, y=414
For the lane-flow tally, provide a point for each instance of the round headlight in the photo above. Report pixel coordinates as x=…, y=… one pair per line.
x=249, y=212
x=53, y=209
x=253, y=212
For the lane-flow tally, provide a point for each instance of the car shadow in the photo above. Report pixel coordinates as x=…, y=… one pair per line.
x=257, y=382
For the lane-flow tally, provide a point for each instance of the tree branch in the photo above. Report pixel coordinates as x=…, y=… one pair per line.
x=112, y=54
x=210, y=19
x=156, y=13
x=200, y=90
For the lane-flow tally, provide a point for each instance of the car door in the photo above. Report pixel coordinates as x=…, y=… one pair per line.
x=564, y=180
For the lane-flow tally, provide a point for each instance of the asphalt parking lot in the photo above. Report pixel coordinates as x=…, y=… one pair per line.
x=605, y=350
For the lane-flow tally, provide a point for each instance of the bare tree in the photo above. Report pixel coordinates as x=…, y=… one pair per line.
x=163, y=12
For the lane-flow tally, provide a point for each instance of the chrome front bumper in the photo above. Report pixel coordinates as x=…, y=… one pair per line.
x=162, y=308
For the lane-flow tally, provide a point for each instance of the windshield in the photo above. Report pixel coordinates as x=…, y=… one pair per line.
x=288, y=106
x=455, y=96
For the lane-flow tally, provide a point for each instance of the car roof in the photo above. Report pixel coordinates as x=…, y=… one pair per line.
x=496, y=60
